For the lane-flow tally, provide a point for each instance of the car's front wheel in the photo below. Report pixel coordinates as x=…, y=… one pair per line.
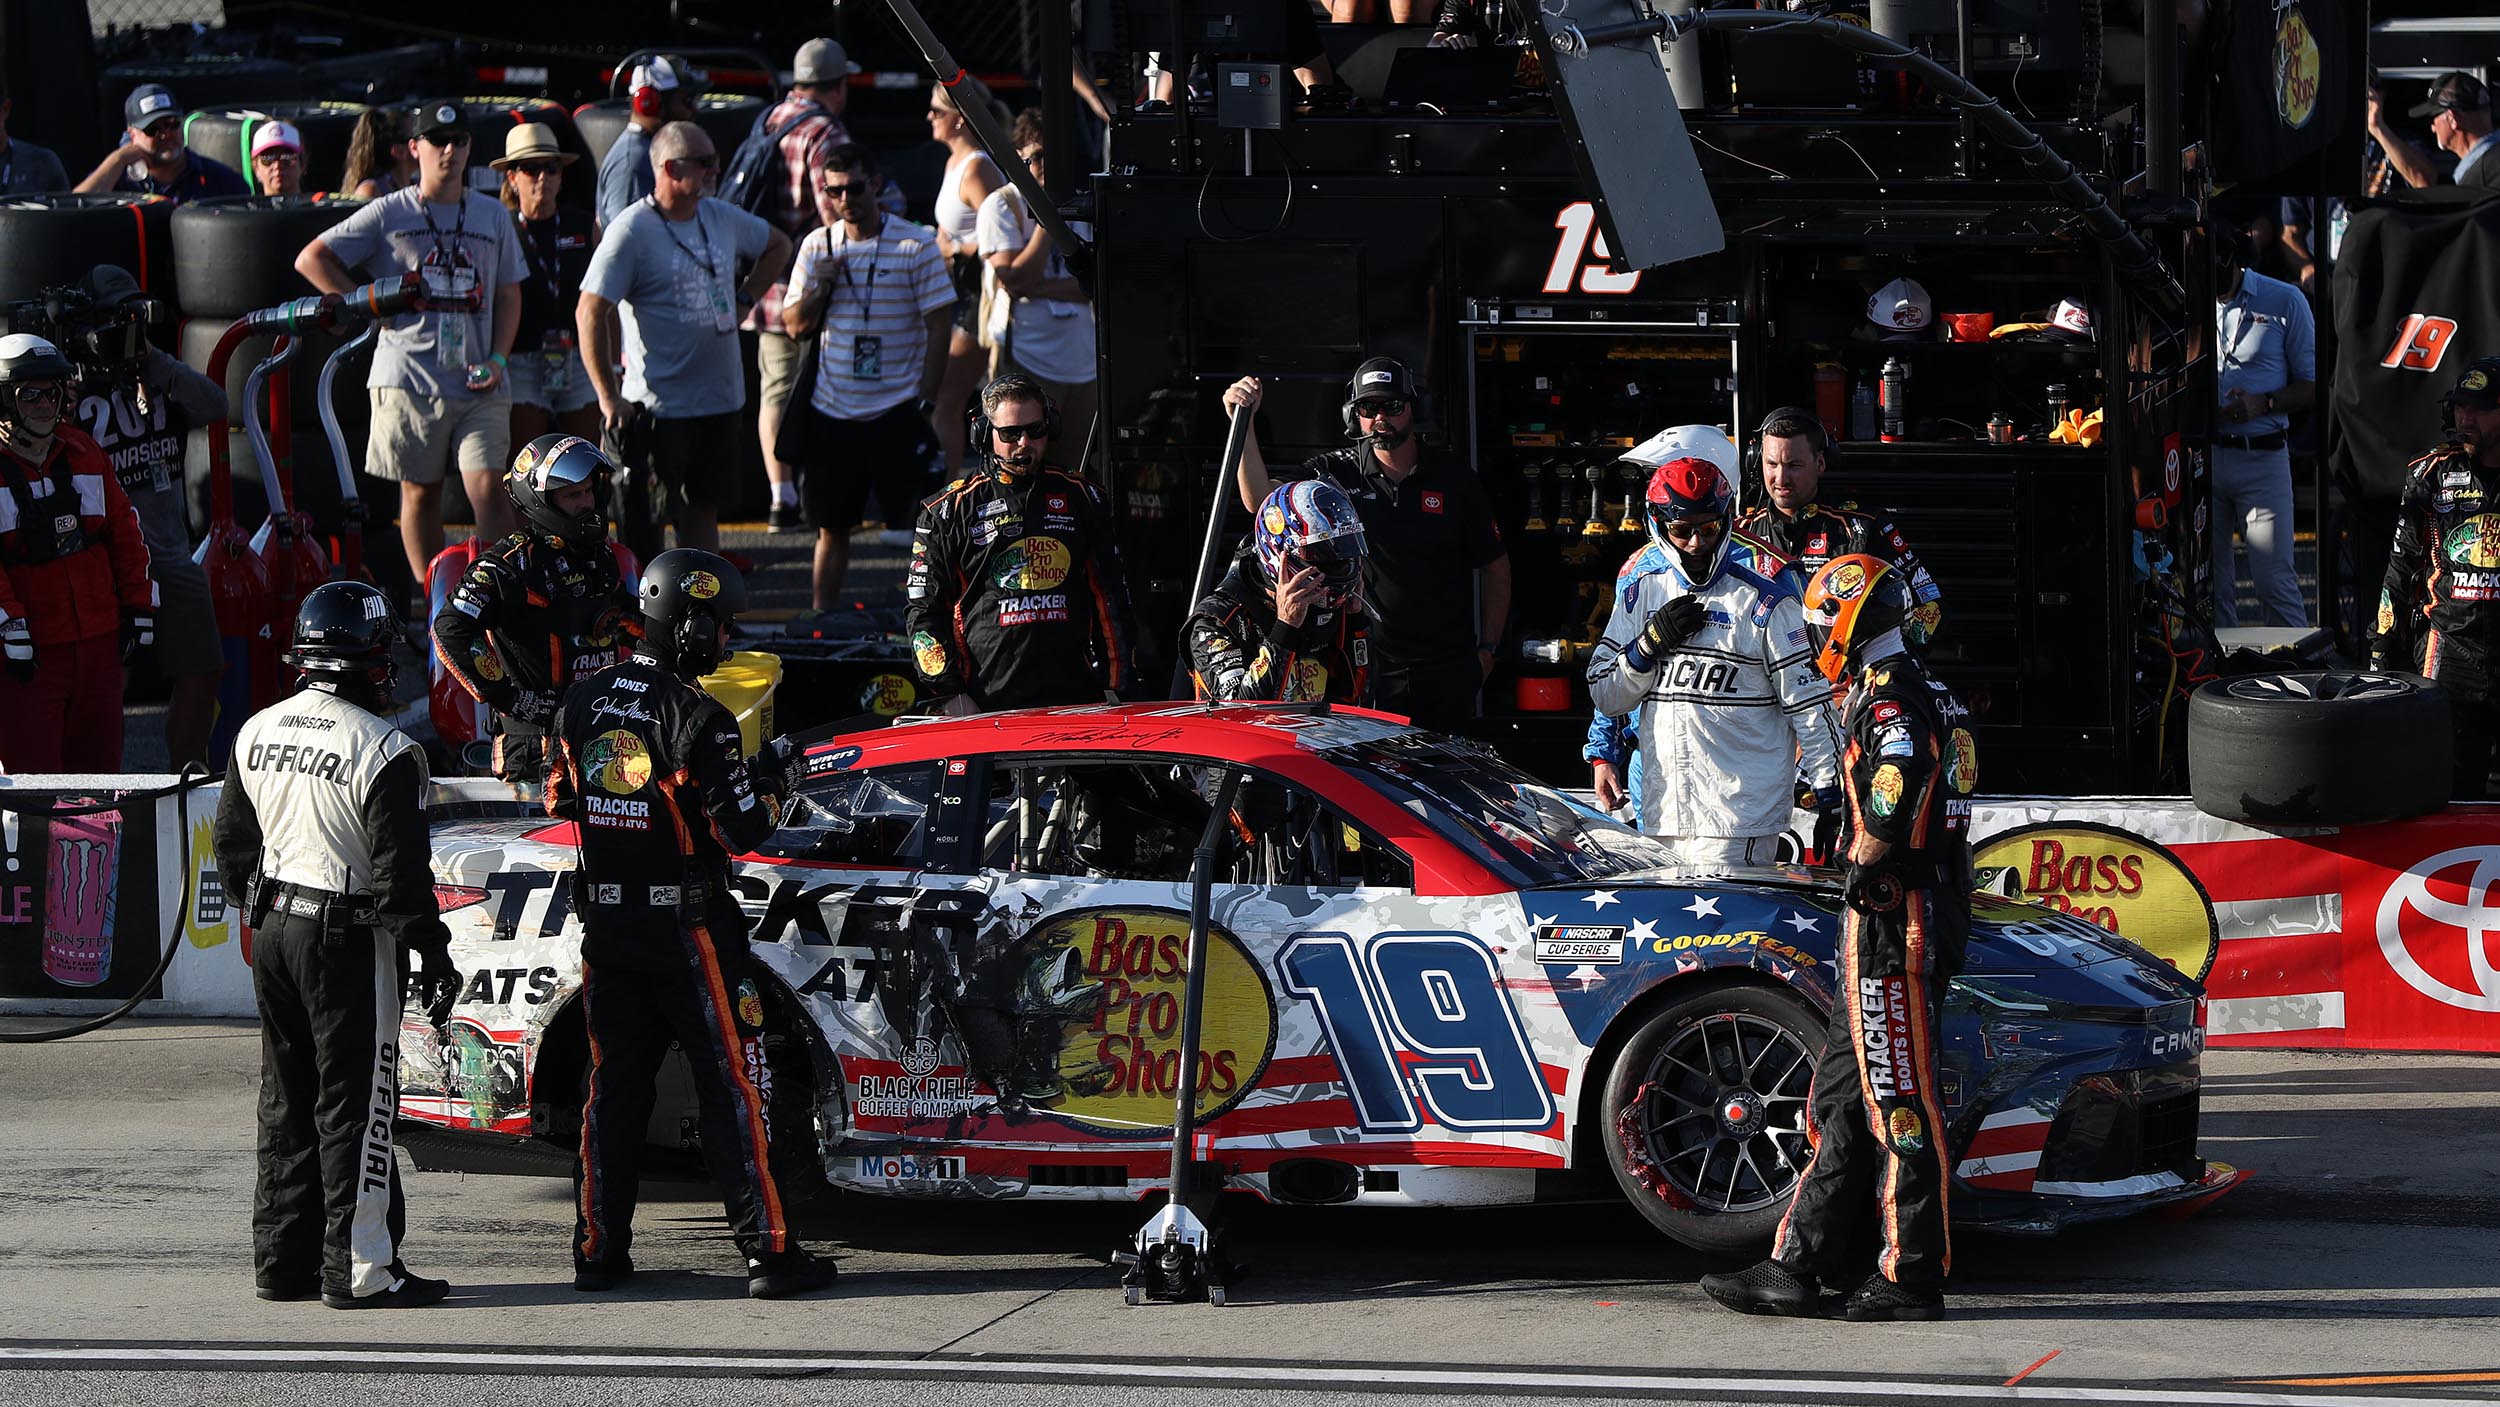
x=1704, y=1119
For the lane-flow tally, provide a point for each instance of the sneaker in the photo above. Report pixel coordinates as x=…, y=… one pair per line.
x=594, y=1276
x=1766, y=1287
x=286, y=1291
x=406, y=1292
x=1881, y=1299
x=784, y=518
x=788, y=1273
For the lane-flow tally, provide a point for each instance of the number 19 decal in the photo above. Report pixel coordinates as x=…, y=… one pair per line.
x=1420, y=1027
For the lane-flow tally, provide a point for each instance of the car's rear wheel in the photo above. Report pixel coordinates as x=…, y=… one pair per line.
x=1705, y=1114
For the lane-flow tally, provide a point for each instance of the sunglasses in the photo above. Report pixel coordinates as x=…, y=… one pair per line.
x=1692, y=529
x=535, y=168
x=843, y=190
x=163, y=127
x=1018, y=434
x=445, y=139
x=1377, y=408
x=279, y=157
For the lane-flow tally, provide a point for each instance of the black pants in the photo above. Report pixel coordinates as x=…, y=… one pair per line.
x=521, y=753
x=1875, y=1120
x=1437, y=692
x=327, y=1206
x=632, y=1013
x=2471, y=780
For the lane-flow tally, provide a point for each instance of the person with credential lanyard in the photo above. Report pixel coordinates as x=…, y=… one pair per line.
x=551, y=392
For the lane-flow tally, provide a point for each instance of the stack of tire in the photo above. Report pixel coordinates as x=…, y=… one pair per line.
x=225, y=134
x=50, y=240
x=725, y=117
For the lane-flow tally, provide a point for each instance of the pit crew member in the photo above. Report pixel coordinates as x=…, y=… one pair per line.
x=649, y=769
x=2439, y=609
x=1795, y=453
x=1874, y=1118
x=1015, y=597
x=1287, y=622
x=322, y=824
x=1709, y=660
x=544, y=606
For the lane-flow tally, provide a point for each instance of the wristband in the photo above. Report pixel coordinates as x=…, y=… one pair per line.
x=500, y=360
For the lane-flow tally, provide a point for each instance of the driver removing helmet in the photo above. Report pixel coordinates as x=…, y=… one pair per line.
x=1287, y=622
x=1708, y=656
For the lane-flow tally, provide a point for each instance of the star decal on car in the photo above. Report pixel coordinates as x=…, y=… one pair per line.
x=1600, y=898
x=1645, y=931
x=1803, y=924
x=1703, y=906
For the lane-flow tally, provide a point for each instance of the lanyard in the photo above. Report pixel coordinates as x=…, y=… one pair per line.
x=551, y=272
x=704, y=258
x=876, y=261
x=459, y=232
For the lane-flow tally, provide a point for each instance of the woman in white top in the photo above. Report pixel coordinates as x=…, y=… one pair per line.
x=970, y=177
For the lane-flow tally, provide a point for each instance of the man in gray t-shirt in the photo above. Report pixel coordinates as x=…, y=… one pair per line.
x=669, y=266
x=437, y=383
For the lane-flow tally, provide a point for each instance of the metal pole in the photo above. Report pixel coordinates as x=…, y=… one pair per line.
x=1193, y=997
x=1236, y=441
x=984, y=127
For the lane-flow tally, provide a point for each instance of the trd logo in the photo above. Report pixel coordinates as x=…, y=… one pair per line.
x=2420, y=343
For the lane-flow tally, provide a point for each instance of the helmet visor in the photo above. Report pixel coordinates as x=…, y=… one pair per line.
x=1339, y=562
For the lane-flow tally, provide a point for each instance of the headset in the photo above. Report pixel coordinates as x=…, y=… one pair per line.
x=1814, y=435
x=646, y=101
x=1406, y=390
x=1017, y=386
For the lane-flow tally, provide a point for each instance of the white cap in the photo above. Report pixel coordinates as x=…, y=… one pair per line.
x=1901, y=306
x=1687, y=442
x=2072, y=316
x=666, y=72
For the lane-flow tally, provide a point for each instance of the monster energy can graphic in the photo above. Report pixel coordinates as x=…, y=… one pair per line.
x=84, y=855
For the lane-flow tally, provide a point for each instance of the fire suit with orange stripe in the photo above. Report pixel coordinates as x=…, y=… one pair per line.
x=1015, y=597
x=1875, y=1119
x=649, y=769
x=2439, y=608
x=528, y=618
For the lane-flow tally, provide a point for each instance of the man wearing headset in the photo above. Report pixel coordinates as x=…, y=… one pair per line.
x=663, y=90
x=1794, y=452
x=1437, y=578
x=1015, y=597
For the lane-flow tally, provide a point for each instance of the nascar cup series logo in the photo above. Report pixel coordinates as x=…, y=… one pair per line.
x=2442, y=909
x=617, y=763
x=2121, y=882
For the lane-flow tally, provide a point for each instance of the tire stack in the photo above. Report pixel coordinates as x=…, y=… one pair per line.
x=49, y=240
x=225, y=134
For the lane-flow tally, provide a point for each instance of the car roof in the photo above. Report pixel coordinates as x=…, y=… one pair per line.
x=1276, y=734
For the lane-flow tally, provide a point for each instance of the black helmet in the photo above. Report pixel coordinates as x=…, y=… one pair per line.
x=688, y=594
x=343, y=637
x=548, y=463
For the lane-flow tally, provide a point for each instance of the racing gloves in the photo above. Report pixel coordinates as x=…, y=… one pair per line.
x=778, y=768
x=532, y=707
x=138, y=632
x=1830, y=811
x=1669, y=626
x=17, y=648
x=438, y=985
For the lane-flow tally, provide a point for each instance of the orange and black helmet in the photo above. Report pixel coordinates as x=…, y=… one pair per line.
x=1850, y=601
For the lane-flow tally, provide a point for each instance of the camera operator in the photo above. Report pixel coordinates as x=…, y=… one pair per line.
x=139, y=402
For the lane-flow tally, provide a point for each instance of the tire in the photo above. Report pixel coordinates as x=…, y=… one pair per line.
x=203, y=80
x=1668, y=1087
x=46, y=240
x=2319, y=748
x=327, y=127
x=726, y=118
x=236, y=254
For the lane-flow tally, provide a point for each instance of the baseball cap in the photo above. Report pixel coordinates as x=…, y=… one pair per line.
x=1901, y=306
x=111, y=285
x=1381, y=376
x=2452, y=91
x=666, y=72
x=148, y=103
x=2072, y=316
x=2479, y=387
x=277, y=136
x=822, y=61
x=436, y=121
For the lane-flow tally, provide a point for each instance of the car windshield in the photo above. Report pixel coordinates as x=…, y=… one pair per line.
x=1503, y=816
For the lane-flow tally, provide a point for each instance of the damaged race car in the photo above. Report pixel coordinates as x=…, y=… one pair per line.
x=1431, y=981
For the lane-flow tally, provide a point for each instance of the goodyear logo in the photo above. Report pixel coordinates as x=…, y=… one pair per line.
x=2121, y=882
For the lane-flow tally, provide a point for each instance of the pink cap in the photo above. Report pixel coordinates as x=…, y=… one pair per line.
x=277, y=136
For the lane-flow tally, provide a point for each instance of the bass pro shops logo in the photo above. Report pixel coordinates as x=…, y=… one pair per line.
x=2425, y=913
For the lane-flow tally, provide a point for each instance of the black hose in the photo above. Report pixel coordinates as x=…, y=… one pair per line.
x=1194, y=993
x=181, y=791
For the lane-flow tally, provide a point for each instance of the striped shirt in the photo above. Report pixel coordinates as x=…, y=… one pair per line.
x=880, y=292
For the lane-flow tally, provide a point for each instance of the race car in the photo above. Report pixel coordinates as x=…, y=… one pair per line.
x=1431, y=981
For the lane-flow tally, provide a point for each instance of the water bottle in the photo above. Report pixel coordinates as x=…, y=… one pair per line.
x=1862, y=411
x=1896, y=399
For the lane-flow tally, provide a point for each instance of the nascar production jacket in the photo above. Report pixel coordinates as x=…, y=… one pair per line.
x=650, y=770
x=528, y=619
x=1822, y=532
x=1015, y=596
x=1909, y=770
x=1238, y=649
x=80, y=593
x=1730, y=718
x=2439, y=610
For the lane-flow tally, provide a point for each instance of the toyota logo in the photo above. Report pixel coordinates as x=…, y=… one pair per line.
x=2475, y=920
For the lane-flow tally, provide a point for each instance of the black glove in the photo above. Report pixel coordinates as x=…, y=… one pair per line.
x=1872, y=889
x=138, y=632
x=1669, y=626
x=438, y=986
x=17, y=648
x=1830, y=813
x=778, y=768
x=532, y=707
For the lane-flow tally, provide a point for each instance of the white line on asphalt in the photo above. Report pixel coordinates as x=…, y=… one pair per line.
x=1226, y=1374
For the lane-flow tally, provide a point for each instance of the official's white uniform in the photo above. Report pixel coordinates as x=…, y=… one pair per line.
x=309, y=766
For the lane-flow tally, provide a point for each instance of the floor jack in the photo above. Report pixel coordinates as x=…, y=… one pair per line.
x=347, y=545
x=1176, y=1258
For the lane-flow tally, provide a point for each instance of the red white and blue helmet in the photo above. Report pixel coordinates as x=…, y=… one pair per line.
x=1310, y=524
x=1684, y=489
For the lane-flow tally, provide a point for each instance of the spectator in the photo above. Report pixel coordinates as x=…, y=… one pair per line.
x=551, y=388
x=440, y=399
x=670, y=263
x=380, y=156
x=152, y=159
x=663, y=91
x=143, y=402
x=26, y=169
x=1043, y=325
x=872, y=289
x=809, y=119
x=73, y=575
x=278, y=159
x=970, y=178
x=2459, y=107
x=2268, y=372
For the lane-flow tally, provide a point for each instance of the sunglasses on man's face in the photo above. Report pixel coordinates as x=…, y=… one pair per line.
x=844, y=190
x=1375, y=409
x=1018, y=434
x=163, y=127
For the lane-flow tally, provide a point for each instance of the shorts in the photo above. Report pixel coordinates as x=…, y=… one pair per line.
x=889, y=453
x=777, y=360
x=419, y=439
x=186, y=619
x=527, y=380
x=964, y=270
x=690, y=457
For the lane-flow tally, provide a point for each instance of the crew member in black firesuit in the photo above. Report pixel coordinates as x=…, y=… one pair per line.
x=321, y=823
x=649, y=768
x=1793, y=452
x=544, y=606
x=1875, y=1122
x=1015, y=596
x=1287, y=622
x=2439, y=613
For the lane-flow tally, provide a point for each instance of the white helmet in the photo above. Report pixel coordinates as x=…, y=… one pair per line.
x=26, y=357
x=1686, y=442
